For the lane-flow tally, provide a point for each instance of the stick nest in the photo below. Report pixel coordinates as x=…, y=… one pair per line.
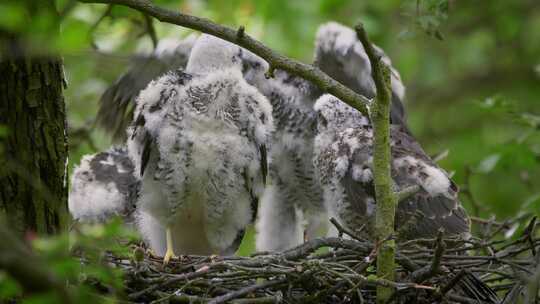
x=342, y=270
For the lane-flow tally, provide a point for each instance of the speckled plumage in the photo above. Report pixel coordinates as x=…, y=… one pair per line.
x=199, y=141
x=343, y=159
x=293, y=202
x=102, y=186
x=291, y=207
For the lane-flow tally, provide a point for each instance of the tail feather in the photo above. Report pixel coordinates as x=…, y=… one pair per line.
x=474, y=288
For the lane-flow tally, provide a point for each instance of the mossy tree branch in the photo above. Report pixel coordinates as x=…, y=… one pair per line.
x=239, y=37
x=386, y=198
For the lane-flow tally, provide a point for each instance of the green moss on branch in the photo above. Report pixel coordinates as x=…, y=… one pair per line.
x=385, y=197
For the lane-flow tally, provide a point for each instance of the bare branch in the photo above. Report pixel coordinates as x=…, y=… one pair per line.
x=407, y=192
x=246, y=290
x=149, y=23
x=93, y=27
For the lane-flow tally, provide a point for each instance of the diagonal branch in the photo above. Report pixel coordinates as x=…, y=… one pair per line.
x=275, y=60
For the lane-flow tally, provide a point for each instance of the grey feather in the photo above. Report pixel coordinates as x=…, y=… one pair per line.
x=102, y=186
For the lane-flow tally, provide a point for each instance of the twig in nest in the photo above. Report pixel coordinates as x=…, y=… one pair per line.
x=184, y=277
x=246, y=290
x=428, y=272
x=466, y=190
x=342, y=230
x=446, y=288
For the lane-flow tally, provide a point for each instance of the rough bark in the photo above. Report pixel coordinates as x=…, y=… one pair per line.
x=33, y=159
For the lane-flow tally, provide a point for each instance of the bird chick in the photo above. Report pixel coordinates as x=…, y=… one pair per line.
x=344, y=164
x=102, y=186
x=199, y=143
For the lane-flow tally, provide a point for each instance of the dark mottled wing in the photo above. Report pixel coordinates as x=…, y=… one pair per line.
x=115, y=166
x=422, y=214
x=118, y=102
x=359, y=193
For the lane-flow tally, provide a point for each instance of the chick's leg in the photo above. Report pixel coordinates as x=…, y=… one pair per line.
x=170, y=252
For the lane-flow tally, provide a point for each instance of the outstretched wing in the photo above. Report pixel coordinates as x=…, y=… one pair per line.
x=117, y=103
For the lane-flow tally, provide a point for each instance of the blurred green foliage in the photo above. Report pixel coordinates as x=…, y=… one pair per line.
x=471, y=68
x=78, y=258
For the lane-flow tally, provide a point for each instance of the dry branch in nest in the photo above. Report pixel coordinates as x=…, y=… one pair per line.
x=428, y=271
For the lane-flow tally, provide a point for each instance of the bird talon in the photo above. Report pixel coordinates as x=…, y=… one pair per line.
x=170, y=252
x=168, y=255
x=214, y=258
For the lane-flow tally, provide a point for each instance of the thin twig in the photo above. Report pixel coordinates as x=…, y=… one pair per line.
x=430, y=271
x=246, y=290
x=407, y=192
x=149, y=24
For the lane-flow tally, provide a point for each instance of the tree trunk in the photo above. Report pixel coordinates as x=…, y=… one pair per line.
x=33, y=150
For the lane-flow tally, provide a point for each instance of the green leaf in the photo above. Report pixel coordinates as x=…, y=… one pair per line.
x=9, y=288
x=12, y=16
x=74, y=35
x=488, y=164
